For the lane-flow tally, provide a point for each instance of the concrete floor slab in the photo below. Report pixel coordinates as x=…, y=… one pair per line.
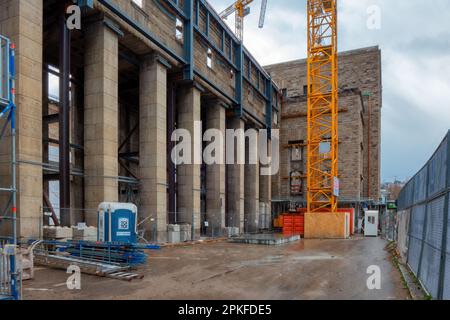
x=269, y=239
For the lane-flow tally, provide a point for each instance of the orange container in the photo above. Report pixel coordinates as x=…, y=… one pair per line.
x=294, y=224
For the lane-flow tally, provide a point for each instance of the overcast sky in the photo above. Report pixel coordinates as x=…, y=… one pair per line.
x=415, y=41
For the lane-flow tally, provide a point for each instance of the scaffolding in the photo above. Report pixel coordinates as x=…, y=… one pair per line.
x=9, y=286
x=322, y=166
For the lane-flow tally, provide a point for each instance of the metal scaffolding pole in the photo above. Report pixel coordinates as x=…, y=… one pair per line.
x=7, y=111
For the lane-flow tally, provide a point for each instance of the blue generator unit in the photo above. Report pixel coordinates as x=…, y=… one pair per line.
x=117, y=222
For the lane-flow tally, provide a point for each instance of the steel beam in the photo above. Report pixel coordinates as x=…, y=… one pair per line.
x=171, y=168
x=269, y=110
x=239, y=79
x=188, y=72
x=64, y=119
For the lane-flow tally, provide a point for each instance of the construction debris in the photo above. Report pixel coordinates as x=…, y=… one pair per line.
x=58, y=233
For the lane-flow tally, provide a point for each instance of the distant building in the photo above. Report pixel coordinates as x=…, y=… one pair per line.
x=360, y=103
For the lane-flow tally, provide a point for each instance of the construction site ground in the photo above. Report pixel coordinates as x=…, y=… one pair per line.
x=308, y=269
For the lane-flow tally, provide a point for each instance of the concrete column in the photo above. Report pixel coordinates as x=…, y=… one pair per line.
x=251, y=190
x=21, y=21
x=100, y=118
x=265, y=194
x=215, y=173
x=152, y=147
x=235, y=185
x=188, y=175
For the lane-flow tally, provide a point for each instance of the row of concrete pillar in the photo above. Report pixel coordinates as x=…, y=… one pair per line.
x=233, y=192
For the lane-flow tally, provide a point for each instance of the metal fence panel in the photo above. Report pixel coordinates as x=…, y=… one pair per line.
x=416, y=235
x=418, y=222
x=410, y=192
x=431, y=260
x=429, y=273
x=447, y=260
x=435, y=222
x=437, y=170
x=402, y=233
x=426, y=195
x=420, y=186
x=415, y=247
x=447, y=278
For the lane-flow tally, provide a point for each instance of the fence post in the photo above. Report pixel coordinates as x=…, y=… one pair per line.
x=445, y=226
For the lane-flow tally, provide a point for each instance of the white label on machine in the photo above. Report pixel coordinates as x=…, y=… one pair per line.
x=123, y=234
x=124, y=224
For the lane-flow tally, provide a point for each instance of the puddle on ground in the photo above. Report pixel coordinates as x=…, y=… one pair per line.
x=286, y=259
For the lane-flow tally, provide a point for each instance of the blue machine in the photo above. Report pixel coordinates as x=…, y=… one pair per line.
x=117, y=222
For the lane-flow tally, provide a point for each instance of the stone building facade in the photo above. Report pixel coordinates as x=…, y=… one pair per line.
x=360, y=103
x=138, y=70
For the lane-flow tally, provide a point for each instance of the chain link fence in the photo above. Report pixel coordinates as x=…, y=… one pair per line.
x=423, y=223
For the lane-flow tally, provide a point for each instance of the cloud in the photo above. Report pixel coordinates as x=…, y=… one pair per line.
x=415, y=41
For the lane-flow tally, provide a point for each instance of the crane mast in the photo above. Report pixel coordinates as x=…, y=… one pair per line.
x=322, y=156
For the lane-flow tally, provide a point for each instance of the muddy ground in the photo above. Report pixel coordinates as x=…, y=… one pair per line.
x=308, y=269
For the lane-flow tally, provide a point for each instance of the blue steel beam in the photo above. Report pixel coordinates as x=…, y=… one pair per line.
x=188, y=71
x=239, y=79
x=269, y=103
x=175, y=7
x=86, y=4
x=197, y=13
x=207, y=25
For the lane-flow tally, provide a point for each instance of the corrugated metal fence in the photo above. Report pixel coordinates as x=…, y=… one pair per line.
x=425, y=203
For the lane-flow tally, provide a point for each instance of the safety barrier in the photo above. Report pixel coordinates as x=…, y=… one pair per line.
x=425, y=201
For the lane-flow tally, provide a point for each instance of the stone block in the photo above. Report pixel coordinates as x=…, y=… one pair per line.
x=58, y=233
x=173, y=236
x=84, y=233
x=173, y=228
x=185, y=232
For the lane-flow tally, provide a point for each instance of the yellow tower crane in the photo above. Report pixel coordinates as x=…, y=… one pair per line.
x=241, y=9
x=322, y=159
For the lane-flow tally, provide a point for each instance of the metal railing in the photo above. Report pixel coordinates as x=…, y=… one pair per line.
x=5, y=270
